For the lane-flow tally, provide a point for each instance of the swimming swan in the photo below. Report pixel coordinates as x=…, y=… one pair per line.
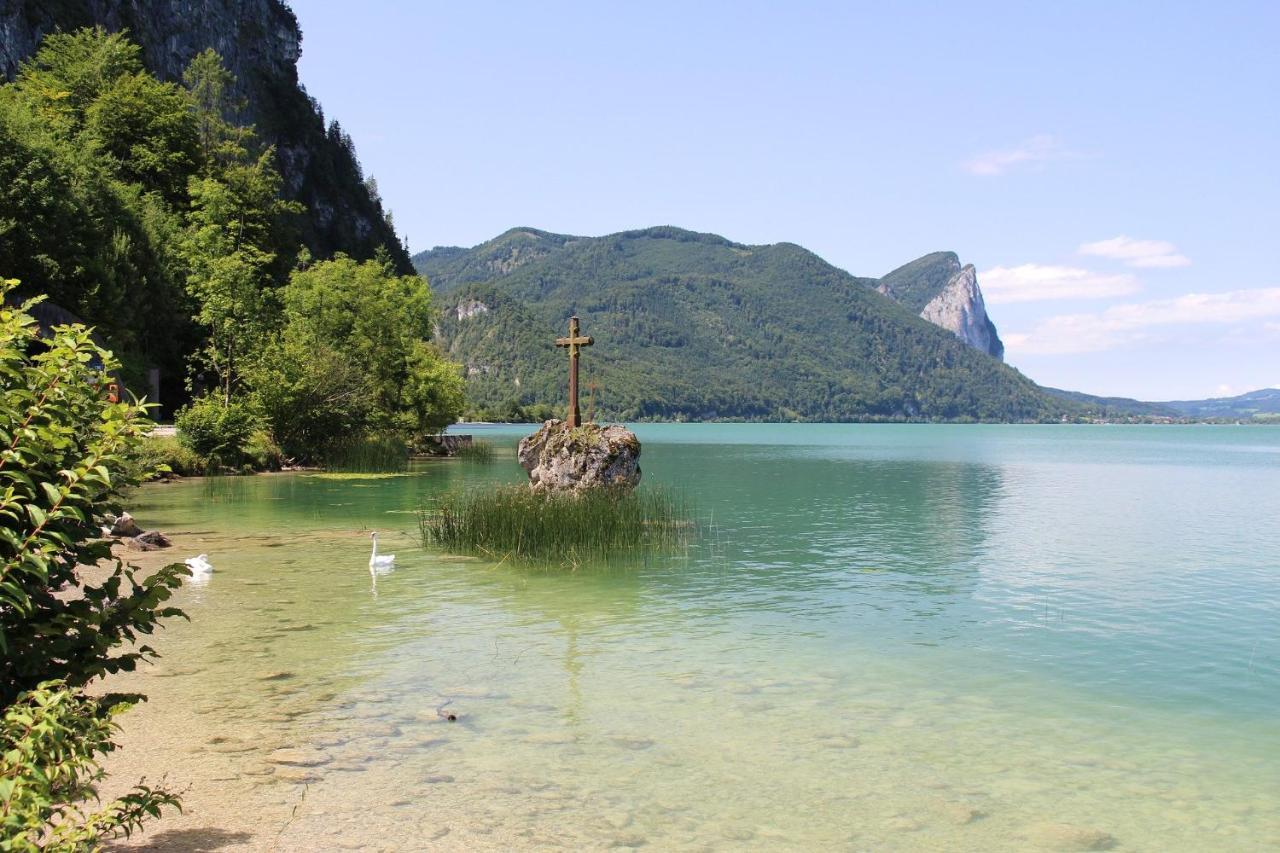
x=200, y=568
x=377, y=563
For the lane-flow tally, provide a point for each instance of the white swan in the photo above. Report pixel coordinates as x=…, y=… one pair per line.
x=376, y=563
x=200, y=568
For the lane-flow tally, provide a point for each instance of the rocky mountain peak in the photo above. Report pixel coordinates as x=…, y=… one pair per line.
x=947, y=294
x=960, y=308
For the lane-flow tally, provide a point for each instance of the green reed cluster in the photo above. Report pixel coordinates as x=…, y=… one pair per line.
x=556, y=529
x=476, y=451
x=367, y=454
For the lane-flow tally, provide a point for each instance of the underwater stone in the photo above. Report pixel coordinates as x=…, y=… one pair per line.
x=1064, y=836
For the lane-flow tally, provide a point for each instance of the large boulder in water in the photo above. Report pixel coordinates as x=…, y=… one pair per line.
x=587, y=457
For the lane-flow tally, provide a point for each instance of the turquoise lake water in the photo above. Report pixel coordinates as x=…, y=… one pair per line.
x=884, y=637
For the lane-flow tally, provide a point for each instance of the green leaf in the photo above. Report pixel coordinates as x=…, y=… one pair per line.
x=51, y=492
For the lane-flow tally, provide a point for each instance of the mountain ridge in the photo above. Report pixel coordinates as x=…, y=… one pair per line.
x=701, y=327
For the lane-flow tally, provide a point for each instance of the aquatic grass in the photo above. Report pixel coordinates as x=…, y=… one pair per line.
x=367, y=454
x=514, y=522
x=477, y=451
x=355, y=475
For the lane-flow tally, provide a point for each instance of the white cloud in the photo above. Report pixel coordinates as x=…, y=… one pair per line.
x=1034, y=151
x=1137, y=253
x=1037, y=282
x=1122, y=325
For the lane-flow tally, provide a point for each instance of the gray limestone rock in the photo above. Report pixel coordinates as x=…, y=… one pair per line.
x=587, y=457
x=960, y=308
x=124, y=525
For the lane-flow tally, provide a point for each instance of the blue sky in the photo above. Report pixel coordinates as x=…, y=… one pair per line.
x=1111, y=169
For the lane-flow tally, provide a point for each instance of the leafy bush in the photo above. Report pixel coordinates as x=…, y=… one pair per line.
x=310, y=394
x=65, y=451
x=52, y=737
x=215, y=431
x=159, y=455
x=262, y=452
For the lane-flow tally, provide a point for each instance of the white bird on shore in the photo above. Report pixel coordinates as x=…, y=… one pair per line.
x=383, y=563
x=200, y=568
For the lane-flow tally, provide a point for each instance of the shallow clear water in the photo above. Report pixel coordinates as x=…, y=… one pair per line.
x=886, y=637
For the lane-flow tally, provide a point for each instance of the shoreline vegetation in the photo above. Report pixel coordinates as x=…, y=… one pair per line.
x=145, y=209
x=70, y=451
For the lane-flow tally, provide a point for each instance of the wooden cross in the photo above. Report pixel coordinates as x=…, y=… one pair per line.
x=574, y=342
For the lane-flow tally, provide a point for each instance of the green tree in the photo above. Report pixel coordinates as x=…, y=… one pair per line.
x=222, y=143
x=229, y=251
x=71, y=70
x=355, y=355
x=148, y=131
x=94, y=161
x=310, y=393
x=64, y=454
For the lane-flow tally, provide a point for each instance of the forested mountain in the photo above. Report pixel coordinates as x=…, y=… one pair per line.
x=1265, y=402
x=1116, y=407
x=1261, y=406
x=694, y=326
x=259, y=41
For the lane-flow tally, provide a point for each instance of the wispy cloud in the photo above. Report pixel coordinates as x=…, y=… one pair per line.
x=1137, y=253
x=1033, y=152
x=1121, y=325
x=1039, y=282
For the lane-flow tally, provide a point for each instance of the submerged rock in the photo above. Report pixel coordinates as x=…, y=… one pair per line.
x=153, y=537
x=1067, y=837
x=152, y=540
x=298, y=757
x=587, y=457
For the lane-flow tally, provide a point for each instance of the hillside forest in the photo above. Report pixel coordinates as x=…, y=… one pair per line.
x=140, y=207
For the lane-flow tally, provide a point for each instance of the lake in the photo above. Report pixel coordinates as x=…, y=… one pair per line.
x=888, y=637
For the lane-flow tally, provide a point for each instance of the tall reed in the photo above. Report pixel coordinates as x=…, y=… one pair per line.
x=556, y=529
x=367, y=454
x=476, y=451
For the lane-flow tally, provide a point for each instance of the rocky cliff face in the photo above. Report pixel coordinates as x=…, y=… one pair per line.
x=947, y=295
x=260, y=42
x=960, y=308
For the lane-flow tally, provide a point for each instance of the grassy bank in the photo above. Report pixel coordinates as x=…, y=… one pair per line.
x=554, y=529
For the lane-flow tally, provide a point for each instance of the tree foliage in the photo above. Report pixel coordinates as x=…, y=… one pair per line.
x=65, y=451
x=353, y=355
x=142, y=207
